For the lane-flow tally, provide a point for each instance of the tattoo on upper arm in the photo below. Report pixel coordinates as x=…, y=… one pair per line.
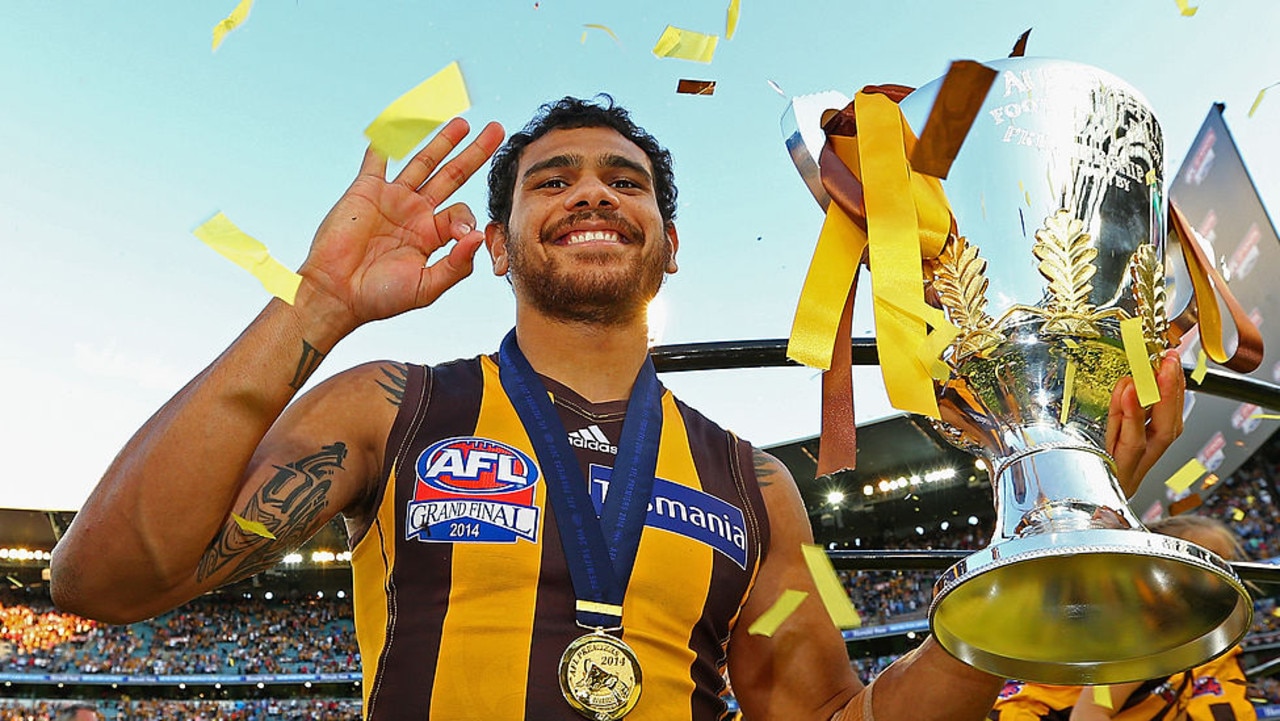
x=288, y=505
x=766, y=468
x=307, y=364
x=397, y=379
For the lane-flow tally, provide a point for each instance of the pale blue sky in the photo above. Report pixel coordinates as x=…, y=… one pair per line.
x=121, y=131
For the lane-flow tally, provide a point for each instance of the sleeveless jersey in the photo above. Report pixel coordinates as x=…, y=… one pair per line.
x=1213, y=691
x=1023, y=701
x=463, y=600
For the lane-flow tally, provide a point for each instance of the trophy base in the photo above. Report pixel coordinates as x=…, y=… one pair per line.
x=1096, y=606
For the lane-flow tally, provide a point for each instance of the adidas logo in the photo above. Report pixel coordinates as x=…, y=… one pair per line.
x=592, y=438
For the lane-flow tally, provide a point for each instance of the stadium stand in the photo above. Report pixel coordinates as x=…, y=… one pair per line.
x=252, y=653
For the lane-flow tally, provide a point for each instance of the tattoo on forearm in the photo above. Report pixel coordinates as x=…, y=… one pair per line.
x=288, y=505
x=766, y=468
x=307, y=364
x=397, y=379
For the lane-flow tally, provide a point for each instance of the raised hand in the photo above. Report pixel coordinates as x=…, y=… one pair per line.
x=368, y=260
x=1136, y=438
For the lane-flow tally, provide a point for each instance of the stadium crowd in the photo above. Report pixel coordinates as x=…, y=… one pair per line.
x=212, y=635
x=231, y=634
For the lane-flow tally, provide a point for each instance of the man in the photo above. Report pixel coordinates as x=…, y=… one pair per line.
x=77, y=712
x=483, y=589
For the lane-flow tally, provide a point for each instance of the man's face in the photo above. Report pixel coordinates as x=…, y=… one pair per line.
x=586, y=241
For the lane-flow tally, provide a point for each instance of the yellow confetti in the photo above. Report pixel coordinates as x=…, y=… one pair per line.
x=1258, y=100
x=1102, y=696
x=1237, y=515
x=1184, y=7
x=231, y=22
x=249, y=253
x=731, y=18
x=1068, y=391
x=1202, y=367
x=605, y=28
x=1265, y=417
x=1276, y=612
x=1135, y=347
x=830, y=590
x=686, y=45
x=253, y=527
x=780, y=611
x=1151, y=176
x=409, y=118
x=1190, y=472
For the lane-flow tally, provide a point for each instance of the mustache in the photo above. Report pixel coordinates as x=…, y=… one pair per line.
x=629, y=230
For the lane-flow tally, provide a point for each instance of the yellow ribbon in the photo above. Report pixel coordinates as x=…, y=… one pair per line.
x=826, y=286
x=908, y=219
x=899, y=222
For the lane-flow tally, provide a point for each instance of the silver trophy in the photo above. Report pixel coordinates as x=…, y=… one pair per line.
x=1056, y=194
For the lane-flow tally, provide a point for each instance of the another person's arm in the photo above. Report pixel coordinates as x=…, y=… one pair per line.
x=158, y=528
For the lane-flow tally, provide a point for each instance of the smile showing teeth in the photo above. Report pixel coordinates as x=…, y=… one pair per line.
x=592, y=236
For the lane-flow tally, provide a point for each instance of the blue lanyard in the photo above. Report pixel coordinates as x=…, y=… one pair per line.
x=600, y=554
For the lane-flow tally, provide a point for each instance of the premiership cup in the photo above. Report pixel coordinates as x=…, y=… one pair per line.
x=1056, y=194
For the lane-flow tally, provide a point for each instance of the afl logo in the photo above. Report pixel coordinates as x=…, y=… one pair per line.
x=476, y=466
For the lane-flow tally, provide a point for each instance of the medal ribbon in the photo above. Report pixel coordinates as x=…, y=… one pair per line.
x=600, y=552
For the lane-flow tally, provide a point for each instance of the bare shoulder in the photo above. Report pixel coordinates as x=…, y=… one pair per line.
x=355, y=407
x=781, y=495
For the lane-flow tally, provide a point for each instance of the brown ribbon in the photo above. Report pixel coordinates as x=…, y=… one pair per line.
x=959, y=99
x=1249, y=347
x=1020, y=46
x=838, y=439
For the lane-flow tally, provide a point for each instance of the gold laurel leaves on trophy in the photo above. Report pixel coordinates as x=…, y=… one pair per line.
x=1066, y=256
x=1147, y=271
x=959, y=278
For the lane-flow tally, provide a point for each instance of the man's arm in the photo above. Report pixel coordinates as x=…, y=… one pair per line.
x=803, y=671
x=158, y=529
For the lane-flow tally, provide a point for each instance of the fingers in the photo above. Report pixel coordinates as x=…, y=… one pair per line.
x=453, y=267
x=435, y=182
x=1166, y=416
x=1126, y=435
x=1165, y=424
x=373, y=164
x=421, y=165
x=1135, y=442
x=450, y=221
x=449, y=177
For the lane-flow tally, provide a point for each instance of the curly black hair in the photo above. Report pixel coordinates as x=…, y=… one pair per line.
x=569, y=112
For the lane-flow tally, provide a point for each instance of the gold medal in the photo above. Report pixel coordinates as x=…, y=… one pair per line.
x=600, y=677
